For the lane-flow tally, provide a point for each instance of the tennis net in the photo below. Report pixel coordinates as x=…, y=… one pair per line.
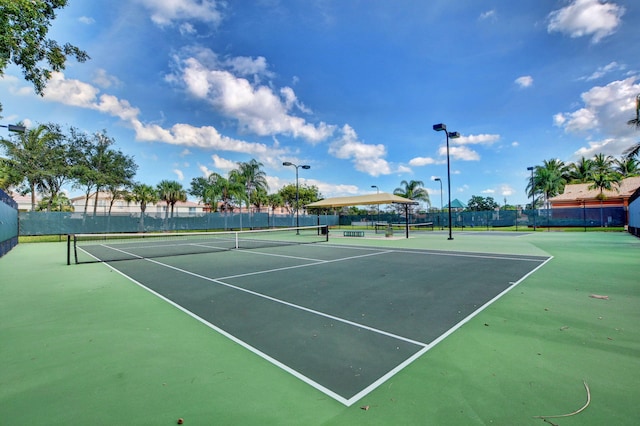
x=88, y=248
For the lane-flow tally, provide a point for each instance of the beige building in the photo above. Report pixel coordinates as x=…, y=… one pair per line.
x=120, y=206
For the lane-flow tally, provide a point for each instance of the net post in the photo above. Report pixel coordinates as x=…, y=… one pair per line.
x=237, y=242
x=75, y=248
x=68, y=249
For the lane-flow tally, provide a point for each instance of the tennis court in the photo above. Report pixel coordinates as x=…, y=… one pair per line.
x=342, y=318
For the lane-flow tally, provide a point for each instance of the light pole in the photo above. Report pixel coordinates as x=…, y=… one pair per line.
x=533, y=189
x=453, y=135
x=306, y=167
x=377, y=192
x=441, y=203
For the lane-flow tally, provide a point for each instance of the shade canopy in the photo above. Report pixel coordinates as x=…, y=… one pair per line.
x=362, y=200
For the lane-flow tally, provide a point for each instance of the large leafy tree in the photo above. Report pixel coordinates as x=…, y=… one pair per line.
x=24, y=27
x=307, y=195
x=61, y=160
x=100, y=166
x=216, y=189
x=478, y=203
x=121, y=172
x=171, y=191
x=9, y=178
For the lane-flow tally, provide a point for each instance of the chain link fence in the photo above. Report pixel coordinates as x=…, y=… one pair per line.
x=61, y=223
x=545, y=218
x=8, y=223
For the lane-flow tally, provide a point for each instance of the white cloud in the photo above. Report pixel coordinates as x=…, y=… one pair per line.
x=164, y=12
x=482, y=139
x=602, y=71
x=366, y=158
x=187, y=28
x=524, y=81
x=105, y=80
x=488, y=191
x=185, y=152
x=603, y=118
x=86, y=20
x=606, y=109
x=257, y=108
x=577, y=121
x=488, y=15
x=424, y=161
x=460, y=153
x=586, y=18
x=247, y=66
x=223, y=164
x=515, y=144
x=179, y=174
x=205, y=170
x=607, y=146
x=84, y=95
x=507, y=190
x=333, y=190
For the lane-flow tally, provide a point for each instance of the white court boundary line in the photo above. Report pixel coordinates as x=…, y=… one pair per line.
x=345, y=401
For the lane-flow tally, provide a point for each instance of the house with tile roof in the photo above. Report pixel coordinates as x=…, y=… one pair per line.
x=580, y=196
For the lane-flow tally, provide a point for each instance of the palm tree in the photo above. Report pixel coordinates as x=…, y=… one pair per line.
x=28, y=158
x=251, y=176
x=634, y=150
x=550, y=178
x=58, y=203
x=171, y=191
x=413, y=190
x=602, y=163
x=635, y=122
x=605, y=179
x=580, y=171
x=143, y=194
x=627, y=167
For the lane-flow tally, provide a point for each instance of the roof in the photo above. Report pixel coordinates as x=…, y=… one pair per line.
x=581, y=191
x=457, y=204
x=361, y=200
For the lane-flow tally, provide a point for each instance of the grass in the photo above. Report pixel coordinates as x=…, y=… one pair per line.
x=82, y=344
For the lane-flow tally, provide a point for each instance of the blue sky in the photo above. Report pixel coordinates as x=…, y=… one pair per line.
x=351, y=88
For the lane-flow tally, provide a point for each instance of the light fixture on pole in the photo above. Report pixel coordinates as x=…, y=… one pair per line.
x=14, y=128
x=377, y=192
x=533, y=189
x=441, y=203
x=306, y=167
x=453, y=135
